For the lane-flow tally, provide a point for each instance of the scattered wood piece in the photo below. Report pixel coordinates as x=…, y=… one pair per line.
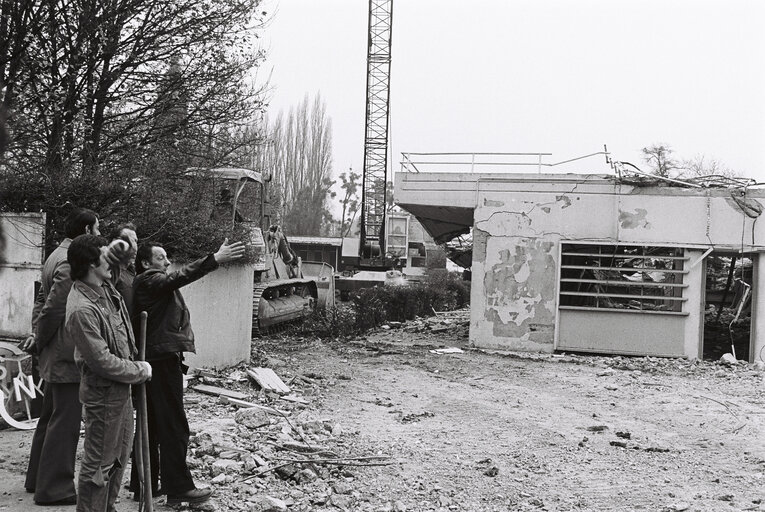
x=295, y=399
x=243, y=403
x=268, y=380
x=307, y=380
x=216, y=391
x=724, y=404
x=657, y=384
x=449, y=350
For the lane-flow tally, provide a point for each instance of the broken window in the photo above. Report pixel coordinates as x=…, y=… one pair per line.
x=622, y=277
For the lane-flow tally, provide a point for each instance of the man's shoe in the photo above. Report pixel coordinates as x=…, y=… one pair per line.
x=192, y=496
x=71, y=500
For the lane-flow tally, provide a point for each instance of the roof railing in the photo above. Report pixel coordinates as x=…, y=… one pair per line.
x=425, y=162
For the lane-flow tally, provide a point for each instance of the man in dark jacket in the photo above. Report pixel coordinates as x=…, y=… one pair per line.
x=98, y=322
x=50, y=475
x=123, y=272
x=168, y=335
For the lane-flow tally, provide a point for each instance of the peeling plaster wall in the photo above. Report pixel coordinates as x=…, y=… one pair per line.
x=517, y=294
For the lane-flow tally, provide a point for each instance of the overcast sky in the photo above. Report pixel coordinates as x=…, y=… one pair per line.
x=555, y=76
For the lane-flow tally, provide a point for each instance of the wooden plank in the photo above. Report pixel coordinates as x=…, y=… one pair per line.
x=268, y=380
x=216, y=391
x=295, y=399
x=244, y=403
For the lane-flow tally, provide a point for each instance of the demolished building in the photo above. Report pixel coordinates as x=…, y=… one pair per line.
x=596, y=263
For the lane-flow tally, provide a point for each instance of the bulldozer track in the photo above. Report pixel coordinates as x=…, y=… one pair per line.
x=288, y=287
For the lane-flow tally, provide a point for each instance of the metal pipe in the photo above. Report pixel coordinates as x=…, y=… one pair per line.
x=143, y=425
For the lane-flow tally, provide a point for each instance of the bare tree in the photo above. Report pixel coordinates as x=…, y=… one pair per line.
x=701, y=166
x=350, y=200
x=299, y=159
x=659, y=159
x=103, y=92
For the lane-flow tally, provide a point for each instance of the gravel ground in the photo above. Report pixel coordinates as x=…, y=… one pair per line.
x=392, y=426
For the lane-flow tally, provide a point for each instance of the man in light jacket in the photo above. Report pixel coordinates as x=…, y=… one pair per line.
x=98, y=322
x=50, y=474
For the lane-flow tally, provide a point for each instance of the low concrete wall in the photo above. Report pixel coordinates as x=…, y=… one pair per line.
x=24, y=234
x=220, y=305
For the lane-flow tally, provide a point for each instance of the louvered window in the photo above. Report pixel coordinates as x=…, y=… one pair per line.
x=622, y=277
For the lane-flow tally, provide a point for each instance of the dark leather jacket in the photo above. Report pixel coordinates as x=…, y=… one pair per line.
x=157, y=292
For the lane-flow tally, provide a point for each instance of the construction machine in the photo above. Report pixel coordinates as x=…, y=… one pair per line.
x=371, y=251
x=282, y=293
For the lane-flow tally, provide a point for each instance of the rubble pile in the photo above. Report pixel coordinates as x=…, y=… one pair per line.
x=264, y=451
x=441, y=321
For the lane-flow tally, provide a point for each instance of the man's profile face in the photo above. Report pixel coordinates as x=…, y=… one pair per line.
x=102, y=271
x=93, y=230
x=159, y=259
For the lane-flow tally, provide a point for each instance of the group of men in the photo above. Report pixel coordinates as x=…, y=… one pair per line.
x=84, y=321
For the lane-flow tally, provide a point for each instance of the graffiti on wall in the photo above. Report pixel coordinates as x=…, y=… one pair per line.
x=17, y=389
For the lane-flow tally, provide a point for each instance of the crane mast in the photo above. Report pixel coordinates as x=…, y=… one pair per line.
x=374, y=174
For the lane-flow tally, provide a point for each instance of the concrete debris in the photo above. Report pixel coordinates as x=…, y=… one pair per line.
x=252, y=417
x=728, y=359
x=491, y=471
x=266, y=504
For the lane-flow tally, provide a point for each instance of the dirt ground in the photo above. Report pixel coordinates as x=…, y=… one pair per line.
x=476, y=431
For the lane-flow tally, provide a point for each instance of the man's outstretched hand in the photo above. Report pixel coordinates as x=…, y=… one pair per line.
x=228, y=252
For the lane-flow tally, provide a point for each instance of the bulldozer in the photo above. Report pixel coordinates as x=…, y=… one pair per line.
x=282, y=293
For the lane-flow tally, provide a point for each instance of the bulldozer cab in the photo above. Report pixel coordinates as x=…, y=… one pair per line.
x=281, y=294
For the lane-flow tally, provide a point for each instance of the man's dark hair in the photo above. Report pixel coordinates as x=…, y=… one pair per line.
x=145, y=252
x=78, y=220
x=84, y=251
x=117, y=233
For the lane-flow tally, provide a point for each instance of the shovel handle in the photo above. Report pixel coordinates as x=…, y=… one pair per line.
x=143, y=424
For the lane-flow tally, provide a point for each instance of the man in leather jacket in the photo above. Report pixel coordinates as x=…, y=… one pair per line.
x=168, y=336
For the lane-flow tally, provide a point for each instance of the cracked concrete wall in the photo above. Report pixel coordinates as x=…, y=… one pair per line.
x=517, y=235
x=24, y=233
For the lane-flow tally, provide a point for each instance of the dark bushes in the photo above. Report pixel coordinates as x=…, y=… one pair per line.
x=371, y=307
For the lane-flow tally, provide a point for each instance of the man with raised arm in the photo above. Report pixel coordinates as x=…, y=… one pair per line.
x=168, y=336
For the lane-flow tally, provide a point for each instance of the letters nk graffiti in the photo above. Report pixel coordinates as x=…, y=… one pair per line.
x=17, y=389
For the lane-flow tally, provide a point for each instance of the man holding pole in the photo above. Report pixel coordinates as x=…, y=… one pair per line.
x=98, y=322
x=168, y=336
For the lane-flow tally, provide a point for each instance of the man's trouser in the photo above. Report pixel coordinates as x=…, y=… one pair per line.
x=54, y=446
x=168, y=429
x=108, y=439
